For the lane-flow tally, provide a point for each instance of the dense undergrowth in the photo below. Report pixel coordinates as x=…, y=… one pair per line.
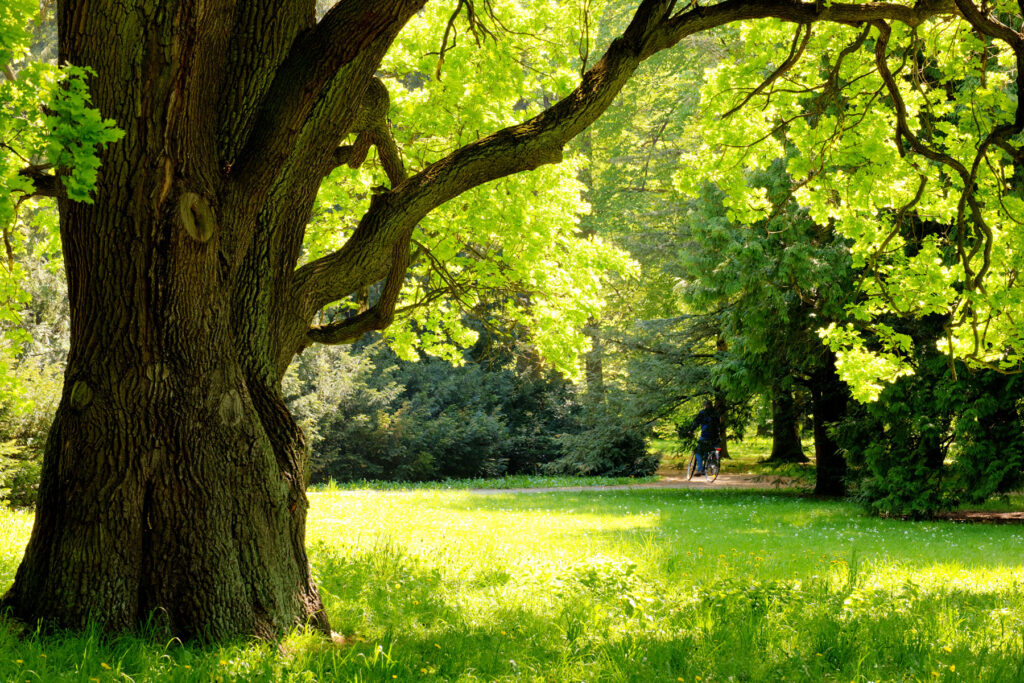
x=651, y=585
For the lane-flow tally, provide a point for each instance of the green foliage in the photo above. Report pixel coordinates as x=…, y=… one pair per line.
x=46, y=125
x=833, y=118
x=936, y=438
x=19, y=475
x=25, y=418
x=512, y=247
x=31, y=368
x=610, y=445
x=77, y=133
x=769, y=286
x=66, y=135
x=371, y=416
x=626, y=586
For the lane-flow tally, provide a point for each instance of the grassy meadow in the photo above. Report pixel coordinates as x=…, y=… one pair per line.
x=642, y=585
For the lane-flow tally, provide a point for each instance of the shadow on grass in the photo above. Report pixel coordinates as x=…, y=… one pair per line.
x=415, y=617
x=606, y=622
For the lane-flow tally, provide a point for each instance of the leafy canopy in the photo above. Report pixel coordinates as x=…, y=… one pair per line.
x=892, y=133
x=512, y=247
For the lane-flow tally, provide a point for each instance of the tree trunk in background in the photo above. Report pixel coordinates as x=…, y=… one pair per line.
x=721, y=406
x=785, y=433
x=593, y=360
x=829, y=396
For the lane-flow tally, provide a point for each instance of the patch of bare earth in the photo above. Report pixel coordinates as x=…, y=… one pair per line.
x=675, y=480
x=984, y=517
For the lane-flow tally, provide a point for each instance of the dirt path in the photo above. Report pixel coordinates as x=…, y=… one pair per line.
x=673, y=480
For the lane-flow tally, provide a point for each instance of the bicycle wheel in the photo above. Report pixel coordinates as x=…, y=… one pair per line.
x=689, y=467
x=711, y=467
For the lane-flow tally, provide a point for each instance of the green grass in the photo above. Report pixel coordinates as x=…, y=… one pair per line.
x=516, y=481
x=650, y=585
x=745, y=457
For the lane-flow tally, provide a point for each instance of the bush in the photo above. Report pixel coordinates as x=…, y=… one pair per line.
x=19, y=475
x=368, y=415
x=612, y=447
x=25, y=417
x=935, y=440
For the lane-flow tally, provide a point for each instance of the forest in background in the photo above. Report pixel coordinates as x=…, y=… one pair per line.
x=624, y=249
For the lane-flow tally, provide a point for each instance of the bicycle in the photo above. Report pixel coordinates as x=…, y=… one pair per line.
x=712, y=465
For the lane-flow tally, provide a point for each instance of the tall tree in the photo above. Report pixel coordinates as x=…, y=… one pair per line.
x=773, y=284
x=173, y=481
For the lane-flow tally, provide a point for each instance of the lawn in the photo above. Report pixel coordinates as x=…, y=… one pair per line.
x=652, y=585
x=746, y=456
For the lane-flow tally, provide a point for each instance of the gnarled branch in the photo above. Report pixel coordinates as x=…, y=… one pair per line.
x=340, y=37
x=367, y=256
x=372, y=129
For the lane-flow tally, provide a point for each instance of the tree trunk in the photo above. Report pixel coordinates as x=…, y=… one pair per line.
x=178, y=505
x=174, y=477
x=829, y=396
x=173, y=482
x=785, y=434
x=593, y=360
x=721, y=408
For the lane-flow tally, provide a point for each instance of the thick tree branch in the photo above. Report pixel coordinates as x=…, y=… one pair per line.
x=697, y=19
x=366, y=257
x=988, y=24
x=338, y=39
x=512, y=150
x=376, y=318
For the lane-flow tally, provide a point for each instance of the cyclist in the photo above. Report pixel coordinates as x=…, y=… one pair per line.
x=707, y=420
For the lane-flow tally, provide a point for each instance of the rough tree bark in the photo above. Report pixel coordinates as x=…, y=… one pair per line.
x=785, y=429
x=173, y=479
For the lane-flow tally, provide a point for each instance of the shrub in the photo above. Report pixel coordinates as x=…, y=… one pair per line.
x=611, y=446
x=25, y=417
x=19, y=475
x=368, y=415
x=935, y=440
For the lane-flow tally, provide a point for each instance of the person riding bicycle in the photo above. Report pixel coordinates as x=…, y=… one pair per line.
x=707, y=420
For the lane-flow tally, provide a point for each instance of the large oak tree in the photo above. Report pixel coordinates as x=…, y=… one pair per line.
x=173, y=480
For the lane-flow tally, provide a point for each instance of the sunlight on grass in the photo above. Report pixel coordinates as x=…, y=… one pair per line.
x=650, y=585
x=745, y=457
x=513, y=481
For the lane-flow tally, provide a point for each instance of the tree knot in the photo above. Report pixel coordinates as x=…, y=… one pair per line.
x=196, y=217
